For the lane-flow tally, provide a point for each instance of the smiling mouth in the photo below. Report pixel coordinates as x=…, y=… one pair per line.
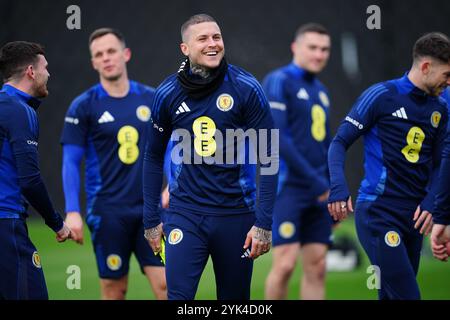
x=212, y=53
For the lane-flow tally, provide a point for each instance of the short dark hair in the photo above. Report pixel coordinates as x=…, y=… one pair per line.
x=311, y=27
x=16, y=56
x=433, y=44
x=196, y=19
x=104, y=31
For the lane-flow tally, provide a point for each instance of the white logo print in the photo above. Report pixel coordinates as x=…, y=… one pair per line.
x=400, y=113
x=106, y=117
x=302, y=94
x=71, y=120
x=246, y=253
x=183, y=108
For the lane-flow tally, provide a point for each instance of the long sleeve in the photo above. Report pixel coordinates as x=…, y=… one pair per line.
x=23, y=137
x=441, y=211
x=158, y=136
x=358, y=122
x=258, y=117
x=72, y=156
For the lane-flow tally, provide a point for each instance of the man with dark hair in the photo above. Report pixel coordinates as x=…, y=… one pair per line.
x=25, y=75
x=404, y=123
x=300, y=106
x=212, y=208
x=106, y=124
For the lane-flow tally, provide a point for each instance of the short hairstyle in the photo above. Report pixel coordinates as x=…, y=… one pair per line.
x=196, y=19
x=311, y=27
x=104, y=31
x=433, y=44
x=16, y=56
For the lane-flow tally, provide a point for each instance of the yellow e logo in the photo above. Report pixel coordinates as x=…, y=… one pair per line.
x=128, y=138
x=204, y=129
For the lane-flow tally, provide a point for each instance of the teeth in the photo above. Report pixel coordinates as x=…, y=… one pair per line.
x=213, y=53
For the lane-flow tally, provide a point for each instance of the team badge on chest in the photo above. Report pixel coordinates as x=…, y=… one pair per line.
x=435, y=119
x=324, y=99
x=225, y=102
x=143, y=113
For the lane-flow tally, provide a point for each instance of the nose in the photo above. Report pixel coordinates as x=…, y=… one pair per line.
x=211, y=42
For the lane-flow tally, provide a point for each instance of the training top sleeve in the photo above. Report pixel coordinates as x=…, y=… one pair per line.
x=158, y=135
x=362, y=117
x=76, y=123
x=23, y=132
x=441, y=212
x=257, y=115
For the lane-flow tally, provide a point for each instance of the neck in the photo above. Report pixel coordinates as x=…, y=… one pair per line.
x=415, y=77
x=200, y=70
x=309, y=73
x=116, y=88
x=21, y=85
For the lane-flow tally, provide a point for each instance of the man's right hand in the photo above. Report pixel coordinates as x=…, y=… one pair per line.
x=153, y=236
x=64, y=233
x=440, y=242
x=75, y=223
x=339, y=210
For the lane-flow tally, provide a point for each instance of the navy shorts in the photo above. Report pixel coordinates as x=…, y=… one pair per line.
x=191, y=238
x=21, y=275
x=114, y=238
x=299, y=220
x=387, y=234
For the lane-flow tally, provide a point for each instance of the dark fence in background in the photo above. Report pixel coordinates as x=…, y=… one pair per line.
x=257, y=37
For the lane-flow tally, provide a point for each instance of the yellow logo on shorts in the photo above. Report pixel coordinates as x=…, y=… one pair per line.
x=286, y=230
x=324, y=99
x=36, y=259
x=225, y=102
x=435, y=119
x=114, y=262
x=392, y=239
x=143, y=113
x=175, y=236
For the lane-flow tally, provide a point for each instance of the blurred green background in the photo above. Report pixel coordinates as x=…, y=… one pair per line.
x=434, y=276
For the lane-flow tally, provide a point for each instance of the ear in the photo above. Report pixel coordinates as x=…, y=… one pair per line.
x=93, y=64
x=293, y=44
x=184, y=48
x=127, y=54
x=425, y=66
x=29, y=72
